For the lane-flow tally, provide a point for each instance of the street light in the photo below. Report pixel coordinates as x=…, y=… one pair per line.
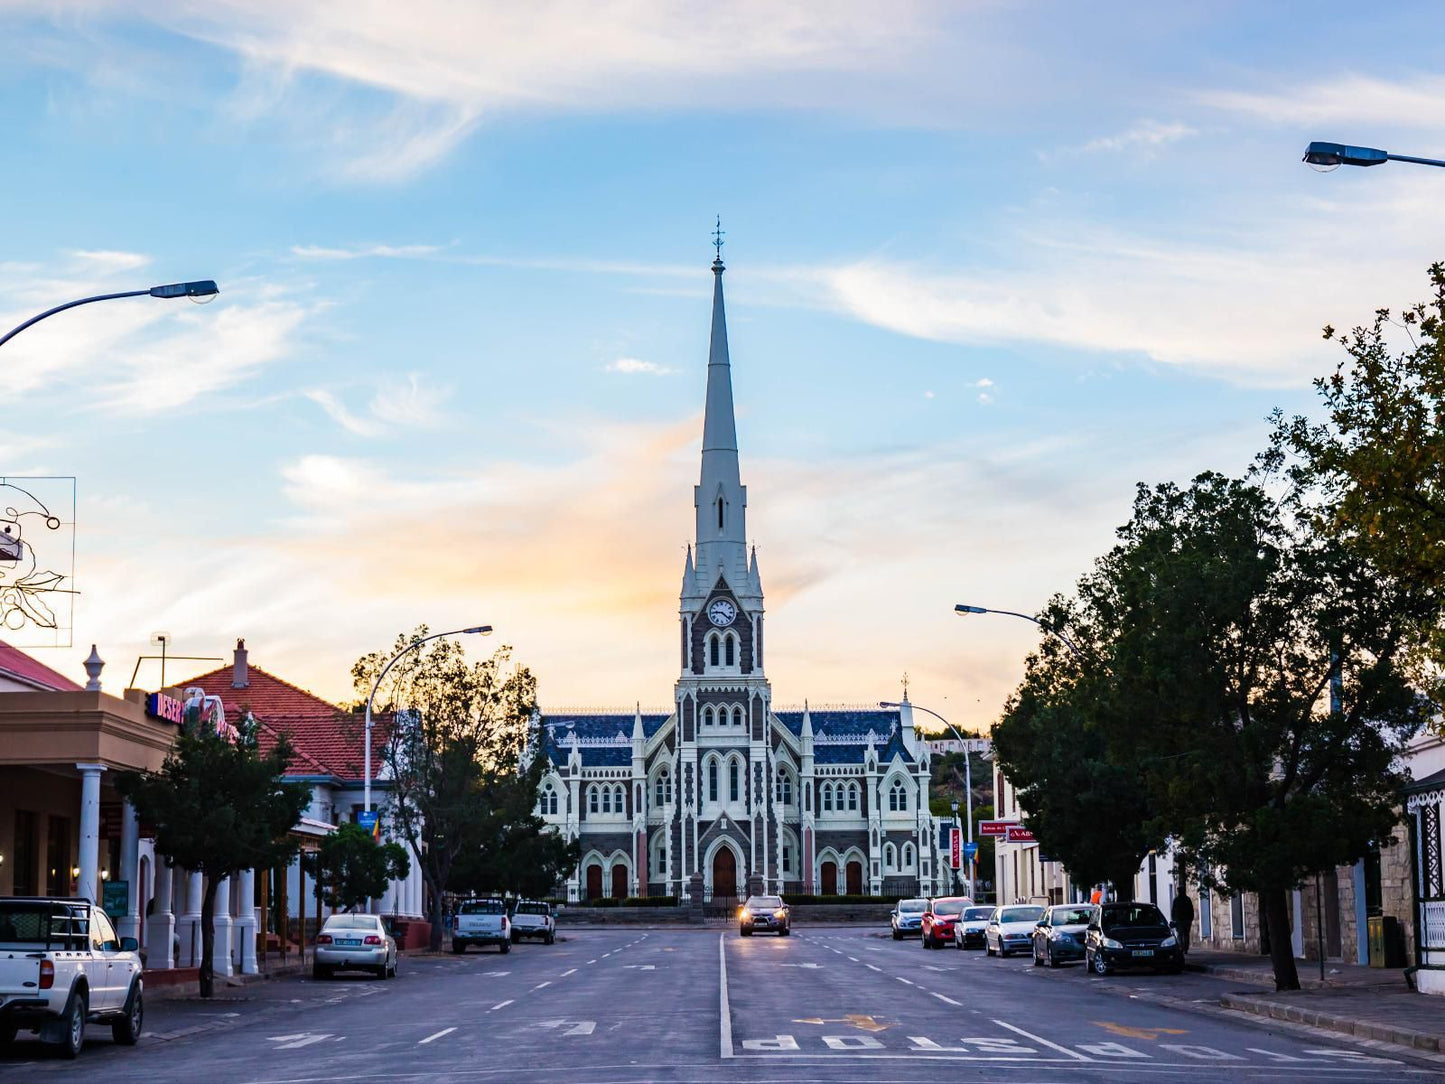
x=480, y=630
x=967, y=771
x=1328, y=156
x=963, y=609
x=199, y=291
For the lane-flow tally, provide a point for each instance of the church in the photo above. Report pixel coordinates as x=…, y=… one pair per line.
x=726, y=796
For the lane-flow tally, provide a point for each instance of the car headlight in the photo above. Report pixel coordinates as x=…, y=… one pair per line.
x=1109, y=942
x=1168, y=942
x=780, y=914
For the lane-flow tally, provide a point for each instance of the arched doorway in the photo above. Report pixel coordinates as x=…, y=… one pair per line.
x=855, y=878
x=724, y=873
x=619, y=881
x=594, y=881
x=829, y=880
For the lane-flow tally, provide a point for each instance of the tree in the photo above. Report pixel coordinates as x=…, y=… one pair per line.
x=352, y=867
x=219, y=806
x=514, y=850
x=456, y=729
x=1375, y=467
x=1224, y=621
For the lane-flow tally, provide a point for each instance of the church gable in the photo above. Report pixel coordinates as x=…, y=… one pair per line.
x=722, y=630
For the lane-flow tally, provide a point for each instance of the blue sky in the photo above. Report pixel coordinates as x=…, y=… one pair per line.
x=990, y=265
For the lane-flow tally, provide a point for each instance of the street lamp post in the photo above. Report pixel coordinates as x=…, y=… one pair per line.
x=1328, y=156
x=482, y=630
x=964, y=609
x=200, y=289
x=967, y=772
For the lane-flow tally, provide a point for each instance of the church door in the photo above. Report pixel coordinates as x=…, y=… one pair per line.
x=594, y=881
x=724, y=873
x=855, y=878
x=829, y=886
x=619, y=882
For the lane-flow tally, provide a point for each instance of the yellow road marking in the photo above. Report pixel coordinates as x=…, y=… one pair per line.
x=856, y=1020
x=1138, y=1033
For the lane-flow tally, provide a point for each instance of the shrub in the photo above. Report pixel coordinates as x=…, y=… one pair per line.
x=650, y=901
x=794, y=900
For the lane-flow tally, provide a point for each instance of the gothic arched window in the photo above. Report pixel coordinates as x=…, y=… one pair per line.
x=730, y=647
x=592, y=799
x=740, y=717
x=889, y=856
x=707, y=715
x=606, y=799
x=898, y=797
x=719, y=513
x=827, y=803
x=619, y=799
x=662, y=789
x=852, y=797
x=734, y=782
x=549, y=801
x=785, y=787
x=908, y=856
x=712, y=780
x=712, y=642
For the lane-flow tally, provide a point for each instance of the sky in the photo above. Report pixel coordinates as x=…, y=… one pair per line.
x=990, y=265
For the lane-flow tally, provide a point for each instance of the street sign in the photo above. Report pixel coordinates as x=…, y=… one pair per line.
x=995, y=828
x=367, y=818
x=1017, y=833
x=970, y=851
x=955, y=848
x=115, y=898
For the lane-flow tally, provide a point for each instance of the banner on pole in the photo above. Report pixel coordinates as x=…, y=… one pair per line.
x=955, y=848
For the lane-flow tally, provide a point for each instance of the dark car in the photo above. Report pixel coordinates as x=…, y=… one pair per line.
x=1059, y=936
x=763, y=913
x=938, y=920
x=968, y=927
x=1131, y=935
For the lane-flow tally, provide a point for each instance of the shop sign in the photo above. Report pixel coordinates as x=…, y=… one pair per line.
x=955, y=848
x=997, y=829
x=166, y=708
x=1017, y=833
x=115, y=898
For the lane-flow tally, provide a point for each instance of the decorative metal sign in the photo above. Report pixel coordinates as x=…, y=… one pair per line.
x=37, y=560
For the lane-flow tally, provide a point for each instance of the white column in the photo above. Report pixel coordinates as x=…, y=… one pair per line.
x=221, y=951
x=247, y=923
x=161, y=926
x=188, y=924
x=89, y=862
x=130, y=870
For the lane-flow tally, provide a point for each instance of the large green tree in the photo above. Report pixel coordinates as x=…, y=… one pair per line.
x=454, y=731
x=352, y=867
x=219, y=806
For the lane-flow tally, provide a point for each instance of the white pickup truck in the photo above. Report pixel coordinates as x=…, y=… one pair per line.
x=481, y=922
x=533, y=918
x=62, y=967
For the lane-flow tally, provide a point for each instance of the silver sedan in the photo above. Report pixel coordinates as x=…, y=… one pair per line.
x=354, y=943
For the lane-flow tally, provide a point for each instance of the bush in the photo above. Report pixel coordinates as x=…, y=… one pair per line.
x=794, y=900
x=650, y=901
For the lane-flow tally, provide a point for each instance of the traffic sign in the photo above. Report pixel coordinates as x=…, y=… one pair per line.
x=368, y=819
x=970, y=851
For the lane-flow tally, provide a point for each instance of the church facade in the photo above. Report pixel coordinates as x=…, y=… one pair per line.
x=725, y=795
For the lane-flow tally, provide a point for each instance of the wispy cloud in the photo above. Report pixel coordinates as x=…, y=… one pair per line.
x=397, y=404
x=337, y=412
x=1345, y=99
x=1147, y=135
x=634, y=366
x=358, y=252
x=104, y=260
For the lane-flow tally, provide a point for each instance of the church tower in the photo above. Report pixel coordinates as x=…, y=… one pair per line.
x=722, y=696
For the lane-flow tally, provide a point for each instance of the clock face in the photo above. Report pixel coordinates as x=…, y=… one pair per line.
x=722, y=612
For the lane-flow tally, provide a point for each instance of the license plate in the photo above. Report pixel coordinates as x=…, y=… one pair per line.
x=1143, y=952
x=348, y=942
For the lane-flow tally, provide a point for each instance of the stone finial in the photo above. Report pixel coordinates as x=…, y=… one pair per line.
x=94, y=664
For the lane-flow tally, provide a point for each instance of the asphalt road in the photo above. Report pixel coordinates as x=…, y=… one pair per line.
x=685, y=1005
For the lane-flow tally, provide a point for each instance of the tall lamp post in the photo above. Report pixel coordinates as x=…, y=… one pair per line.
x=1328, y=156
x=967, y=770
x=481, y=630
x=200, y=291
x=963, y=609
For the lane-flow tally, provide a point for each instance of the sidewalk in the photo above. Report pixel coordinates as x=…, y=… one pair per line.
x=1367, y=1002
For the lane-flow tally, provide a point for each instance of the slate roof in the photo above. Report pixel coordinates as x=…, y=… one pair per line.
x=20, y=666
x=852, y=723
x=327, y=740
x=598, y=727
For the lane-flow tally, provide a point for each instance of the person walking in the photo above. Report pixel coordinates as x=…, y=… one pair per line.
x=1181, y=912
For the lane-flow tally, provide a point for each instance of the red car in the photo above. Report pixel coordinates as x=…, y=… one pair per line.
x=939, y=918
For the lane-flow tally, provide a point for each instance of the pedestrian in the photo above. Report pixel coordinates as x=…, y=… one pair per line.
x=1182, y=914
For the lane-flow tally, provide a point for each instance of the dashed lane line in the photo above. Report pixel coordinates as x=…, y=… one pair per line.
x=438, y=1035
x=542, y=984
x=870, y=967
x=569, y=971
x=501, y=1005
x=910, y=982
x=945, y=997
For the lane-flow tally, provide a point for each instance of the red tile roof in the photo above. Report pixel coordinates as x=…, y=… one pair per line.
x=20, y=666
x=327, y=739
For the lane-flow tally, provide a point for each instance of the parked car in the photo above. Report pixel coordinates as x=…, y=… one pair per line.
x=906, y=918
x=481, y=922
x=936, y=928
x=533, y=918
x=764, y=913
x=1011, y=928
x=1131, y=935
x=969, y=926
x=354, y=943
x=1059, y=936
x=62, y=967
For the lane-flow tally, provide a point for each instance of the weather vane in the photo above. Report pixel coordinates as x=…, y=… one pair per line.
x=905, y=685
x=717, y=238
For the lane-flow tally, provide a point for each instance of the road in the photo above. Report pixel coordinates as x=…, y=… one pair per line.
x=694, y=1005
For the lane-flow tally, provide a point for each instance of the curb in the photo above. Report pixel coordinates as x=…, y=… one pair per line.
x=1364, y=1029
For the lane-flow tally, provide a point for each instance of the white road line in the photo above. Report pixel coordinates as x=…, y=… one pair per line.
x=853, y=958
x=500, y=1005
x=569, y=971
x=1043, y=1042
x=910, y=982
x=725, y=1019
x=438, y=1035
x=945, y=997
x=591, y=961
x=542, y=984
x=870, y=967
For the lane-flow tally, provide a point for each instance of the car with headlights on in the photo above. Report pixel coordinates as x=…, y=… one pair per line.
x=1059, y=936
x=764, y=913
x=906, y=918
x=1131, y=935
x=969, y=926
x=354, y=943
x=936, y=928
x=1011, y=928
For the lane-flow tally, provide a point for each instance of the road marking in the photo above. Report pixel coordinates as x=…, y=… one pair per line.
x=945, y=997
x=645, y=967
x=725, y=1020
x=808, y=966
x=910, y=982
x=569, y=971
x=1044, y=1042
x=579, y=1027
x=857, y=1020
x=500, y=1005
x=438, y=1035
x=591, y=961
x=542, y=984
x=299, y=1040
x=870, y=967
x=1138, y=1033
x=853, y=958
x=494, y=974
